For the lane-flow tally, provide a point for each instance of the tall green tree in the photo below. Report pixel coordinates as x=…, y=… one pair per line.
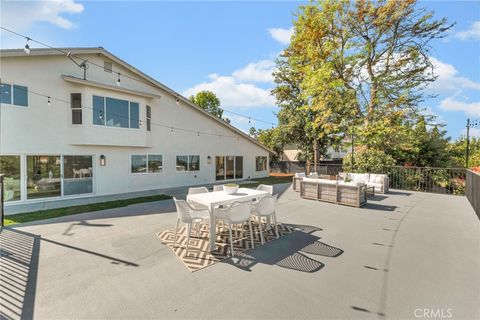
x=358, y=63
x=209, y=102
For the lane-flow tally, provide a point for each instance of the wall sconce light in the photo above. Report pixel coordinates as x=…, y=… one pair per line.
x=103, y=160
x=209, y=160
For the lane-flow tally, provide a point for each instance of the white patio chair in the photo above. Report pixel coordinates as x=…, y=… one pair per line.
x=236, y=213
x=197, y=190
x=218, y=187
x=265, y=208
x=188, y=215
x=265, y=187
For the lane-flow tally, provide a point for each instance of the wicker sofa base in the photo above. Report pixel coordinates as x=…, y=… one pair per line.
x=355, y=196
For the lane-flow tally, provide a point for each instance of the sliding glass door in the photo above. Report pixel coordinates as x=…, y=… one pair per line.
x=228, y=167
x=43, y=177
x=77, y=175
x=49, y=176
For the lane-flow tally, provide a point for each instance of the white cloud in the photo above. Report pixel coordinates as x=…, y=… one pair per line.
x=473, y=32
x=474, y=132
x=281, y=35
x=452, y=104
x=20, y=16
x=256, y=71
x=232, y=92
x=448, y=78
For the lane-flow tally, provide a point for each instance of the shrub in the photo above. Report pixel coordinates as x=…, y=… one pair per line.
x=367, y=160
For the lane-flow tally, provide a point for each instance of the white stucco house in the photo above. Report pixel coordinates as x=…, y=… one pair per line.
x=70, y=132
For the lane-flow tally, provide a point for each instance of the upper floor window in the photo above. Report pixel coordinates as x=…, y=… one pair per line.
x=114, y=112
x=14, y=94
x=261, y=163
x=149, y=118
x=188, y=163
x=76, y=105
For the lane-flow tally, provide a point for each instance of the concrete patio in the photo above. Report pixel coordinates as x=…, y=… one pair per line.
x=402, y=254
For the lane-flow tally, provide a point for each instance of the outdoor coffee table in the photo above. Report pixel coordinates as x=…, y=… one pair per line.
x=219, y=198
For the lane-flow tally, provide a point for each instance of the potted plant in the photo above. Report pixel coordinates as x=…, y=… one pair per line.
x=230, y=188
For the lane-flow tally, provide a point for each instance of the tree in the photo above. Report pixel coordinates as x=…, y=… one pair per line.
x=457, y=153
x=208, y=101
x=252, y=132
x=273, y=139
x=364, y=64
x=368, y=160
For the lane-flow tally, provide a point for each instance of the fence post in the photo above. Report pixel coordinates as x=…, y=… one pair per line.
x=1, y=201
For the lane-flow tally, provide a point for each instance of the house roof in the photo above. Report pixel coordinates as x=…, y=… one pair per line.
x=100, y=50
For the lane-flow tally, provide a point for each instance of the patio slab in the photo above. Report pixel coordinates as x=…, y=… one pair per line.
x=400, y=255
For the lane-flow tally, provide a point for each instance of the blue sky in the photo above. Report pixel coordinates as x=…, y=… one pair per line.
x=230, y=47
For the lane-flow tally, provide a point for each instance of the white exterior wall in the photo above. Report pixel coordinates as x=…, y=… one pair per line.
x=40, y=129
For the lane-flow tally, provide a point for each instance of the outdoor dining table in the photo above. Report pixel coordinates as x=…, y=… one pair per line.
x=218, y=198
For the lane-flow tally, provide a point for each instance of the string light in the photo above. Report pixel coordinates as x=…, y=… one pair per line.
x=249, y=120
x=27, y=47
x=198, y=134
x=177, y=100
x=171, y=129
x=49, y=102
x=83, y=65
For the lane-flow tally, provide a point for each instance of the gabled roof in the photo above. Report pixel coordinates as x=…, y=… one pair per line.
x=114, y=58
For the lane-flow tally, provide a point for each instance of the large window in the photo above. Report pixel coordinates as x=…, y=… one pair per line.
x=77, y=175
x=146, y=163
x=14, y=94
x=261, y=163
x=43, y=176
x=76, y=105
x=188, y=163
x=114, y=112
x=228, y=167
x=10, y=168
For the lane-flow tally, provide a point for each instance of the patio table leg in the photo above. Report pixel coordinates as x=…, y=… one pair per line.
x=213, y=234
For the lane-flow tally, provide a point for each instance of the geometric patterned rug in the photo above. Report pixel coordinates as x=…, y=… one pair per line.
x=200, y=257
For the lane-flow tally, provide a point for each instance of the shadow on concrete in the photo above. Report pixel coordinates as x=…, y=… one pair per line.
x=399, y=193
x=113, y=260
x=380, y=207
x=367, y=311
x=377, y=197
x=288, y=252
x=19, y=255
x=83, y=223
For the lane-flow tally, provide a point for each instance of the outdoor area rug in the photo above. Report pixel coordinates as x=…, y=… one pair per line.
x=199, y=256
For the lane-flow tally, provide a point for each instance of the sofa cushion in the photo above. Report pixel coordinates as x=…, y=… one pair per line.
x=377, y=178
x=360, y=177
x=300, y=175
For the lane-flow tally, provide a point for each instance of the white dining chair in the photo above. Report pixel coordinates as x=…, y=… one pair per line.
x=218, y=187
x=188, y=215
x=197, y=190
x=265, y=207
x=236, y=213
x=265, y=187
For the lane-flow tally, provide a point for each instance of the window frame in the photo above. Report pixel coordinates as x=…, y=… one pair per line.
x=148, y=117
x=188, y=156
x=104, y=113
x=266, y=163
x=146, y=163
x=76, y=109
x=13, y=89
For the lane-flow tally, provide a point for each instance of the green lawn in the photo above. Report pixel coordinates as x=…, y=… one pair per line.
x=267, y=180
x=60, y=212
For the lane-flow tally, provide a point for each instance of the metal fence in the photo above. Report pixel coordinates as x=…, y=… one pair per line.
x=473, y=190
x=434, y=180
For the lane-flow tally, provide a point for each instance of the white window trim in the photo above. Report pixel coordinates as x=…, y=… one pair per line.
x=188, y=162
x=104, y=112
x=146, y=172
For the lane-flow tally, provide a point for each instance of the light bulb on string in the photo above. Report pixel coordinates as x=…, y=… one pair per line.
x=171, y=129
x=49, y=101
x=118, y=80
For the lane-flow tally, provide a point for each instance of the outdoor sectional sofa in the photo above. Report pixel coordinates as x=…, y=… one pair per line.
x=346, y=193
x=379, y=181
